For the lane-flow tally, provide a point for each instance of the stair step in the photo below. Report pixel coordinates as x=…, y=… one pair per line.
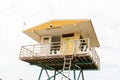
x=66, y=68
x=67, y=62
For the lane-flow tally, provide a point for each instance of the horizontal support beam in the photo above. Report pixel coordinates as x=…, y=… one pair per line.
x=50, y=66
x=61, y=63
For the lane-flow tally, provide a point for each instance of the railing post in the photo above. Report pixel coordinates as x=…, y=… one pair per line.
x=64, y=48
x=20, y=52
x=89, y=46
x=33, y=51
x=74, y=46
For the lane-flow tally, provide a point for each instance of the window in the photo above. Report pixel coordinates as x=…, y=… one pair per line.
x=46, y=38
x=68, y=35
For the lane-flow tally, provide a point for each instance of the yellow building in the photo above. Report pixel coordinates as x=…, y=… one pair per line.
x=62, y=42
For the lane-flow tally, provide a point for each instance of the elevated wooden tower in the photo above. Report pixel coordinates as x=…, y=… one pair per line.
x=64, y=46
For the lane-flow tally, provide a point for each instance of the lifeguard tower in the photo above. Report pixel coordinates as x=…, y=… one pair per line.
x=64, y=46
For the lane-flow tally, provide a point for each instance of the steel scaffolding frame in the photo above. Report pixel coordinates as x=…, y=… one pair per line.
x=57, y=72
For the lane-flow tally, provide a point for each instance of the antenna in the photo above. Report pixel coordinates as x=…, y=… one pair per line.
x=24, y=25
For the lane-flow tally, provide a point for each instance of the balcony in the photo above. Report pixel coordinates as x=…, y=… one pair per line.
x=81, y=50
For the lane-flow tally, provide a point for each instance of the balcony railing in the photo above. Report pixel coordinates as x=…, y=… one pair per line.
x=95, y=57
x=73, y=47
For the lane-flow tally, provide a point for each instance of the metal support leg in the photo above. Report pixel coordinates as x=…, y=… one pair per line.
x=74, y=73
x=64, y=76
x=60, y=72
x=79, y=75
x=54, y=74
x=81, y=72
x=47, y=73
x=40, y=74
x=82, y=75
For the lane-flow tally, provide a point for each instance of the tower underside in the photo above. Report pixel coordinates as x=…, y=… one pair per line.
x=85, y=61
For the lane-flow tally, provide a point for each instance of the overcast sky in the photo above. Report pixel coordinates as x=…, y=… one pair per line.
x=105, y=16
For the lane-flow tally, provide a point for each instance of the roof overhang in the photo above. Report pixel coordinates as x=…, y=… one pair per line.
x=58, y=27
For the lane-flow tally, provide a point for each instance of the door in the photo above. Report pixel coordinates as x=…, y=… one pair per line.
x=45, y=45
x=68, y=43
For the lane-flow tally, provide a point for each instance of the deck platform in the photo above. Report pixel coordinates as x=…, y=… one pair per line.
x=55, y=62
